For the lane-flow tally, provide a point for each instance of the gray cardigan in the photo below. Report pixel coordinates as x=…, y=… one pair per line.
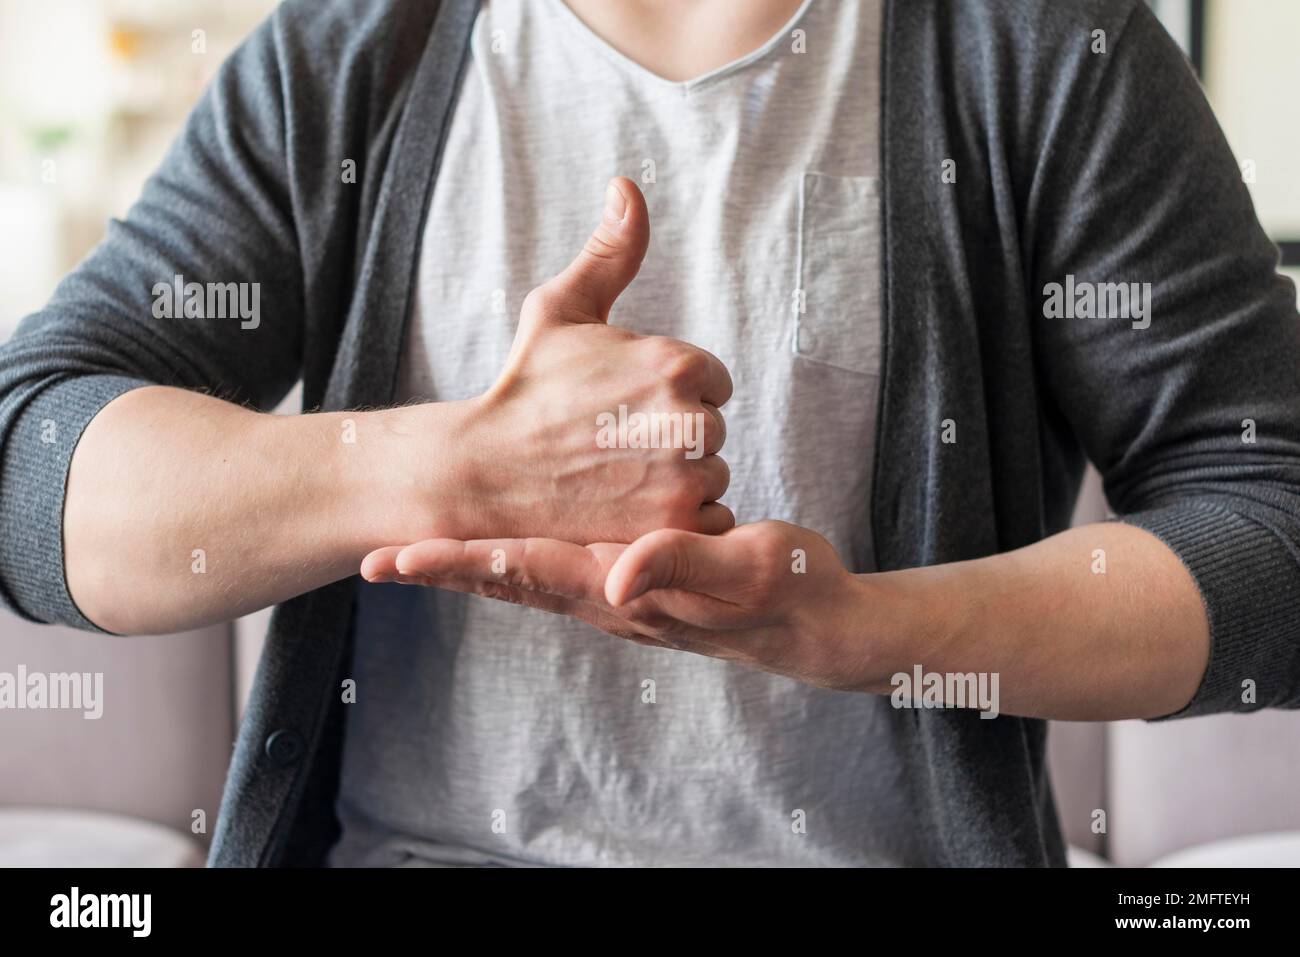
x=1109, y=167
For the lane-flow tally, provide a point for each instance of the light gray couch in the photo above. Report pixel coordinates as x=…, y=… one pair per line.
x=158, y=753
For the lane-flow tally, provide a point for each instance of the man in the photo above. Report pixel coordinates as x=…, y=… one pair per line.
x=928, y=255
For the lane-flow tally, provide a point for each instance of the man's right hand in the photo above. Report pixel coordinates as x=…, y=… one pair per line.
x=529, y=464
x=166, y=483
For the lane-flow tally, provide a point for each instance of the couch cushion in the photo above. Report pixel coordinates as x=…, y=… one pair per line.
x=1257, y=850
x=37, y=837
x=1185, y=783
x=160, y=748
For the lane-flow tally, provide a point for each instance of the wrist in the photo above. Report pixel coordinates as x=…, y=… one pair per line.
x=916, y=617
x=405, y=474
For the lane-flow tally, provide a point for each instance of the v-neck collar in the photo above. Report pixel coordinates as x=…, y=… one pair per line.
x=627, y=64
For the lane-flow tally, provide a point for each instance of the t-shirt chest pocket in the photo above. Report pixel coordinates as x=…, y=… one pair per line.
x=836, y=307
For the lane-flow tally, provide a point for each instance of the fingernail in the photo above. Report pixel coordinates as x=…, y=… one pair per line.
x=615, y=205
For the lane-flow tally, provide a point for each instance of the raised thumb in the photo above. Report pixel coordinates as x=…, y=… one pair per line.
x=610, y=259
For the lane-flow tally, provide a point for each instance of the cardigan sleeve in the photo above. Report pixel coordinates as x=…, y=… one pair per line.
x=217, y=211
x=1191, y=412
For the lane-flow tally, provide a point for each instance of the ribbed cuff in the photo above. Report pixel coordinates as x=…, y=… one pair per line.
x=1250, y=583
x=37, y=453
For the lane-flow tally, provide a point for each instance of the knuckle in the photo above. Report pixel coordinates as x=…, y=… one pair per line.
x=724, y=472
x=683, y=365
x=540, y=301
x=658, y=350
x=715, y=429
x=672, y=359
x=726, y=384
x=713, y=481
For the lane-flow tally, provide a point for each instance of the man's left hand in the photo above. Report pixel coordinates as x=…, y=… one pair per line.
x=770, y=595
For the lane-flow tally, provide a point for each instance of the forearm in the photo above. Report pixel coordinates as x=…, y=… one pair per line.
x=1068, y=640
x=183, y=509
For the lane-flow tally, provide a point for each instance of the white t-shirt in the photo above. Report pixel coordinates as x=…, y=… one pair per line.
x=484, y=732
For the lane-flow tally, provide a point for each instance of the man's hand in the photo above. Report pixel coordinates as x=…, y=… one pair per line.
x=529, y=461
x=771, y=595
x=222, y=510
x=1065, y=643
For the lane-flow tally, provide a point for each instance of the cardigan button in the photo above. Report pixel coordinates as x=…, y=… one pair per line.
x=285, y=747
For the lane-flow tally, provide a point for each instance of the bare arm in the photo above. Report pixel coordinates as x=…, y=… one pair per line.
x=1098, y=623
x=183, y=509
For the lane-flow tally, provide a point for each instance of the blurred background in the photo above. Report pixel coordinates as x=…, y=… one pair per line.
x=91, y=93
